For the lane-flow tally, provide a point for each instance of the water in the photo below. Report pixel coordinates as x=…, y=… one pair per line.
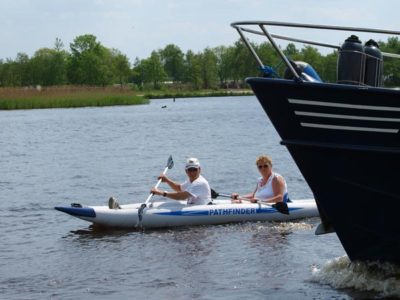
x=54, y=157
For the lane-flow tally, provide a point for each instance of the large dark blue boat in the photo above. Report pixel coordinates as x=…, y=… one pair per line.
x=343, y=136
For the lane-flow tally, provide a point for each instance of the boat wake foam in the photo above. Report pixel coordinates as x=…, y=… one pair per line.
x=292, y=226
x=382, y=278
x=265, y=226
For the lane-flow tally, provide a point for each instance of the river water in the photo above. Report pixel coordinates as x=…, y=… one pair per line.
x=57, y=156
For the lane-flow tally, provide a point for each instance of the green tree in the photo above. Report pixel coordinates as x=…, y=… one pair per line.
x=243, y=62
x=193, y=69
x=312, y=56
x=59, y=63
x=16, y=72
x=90, y=63
x=41, y=63
x=121, y=66
x=327, y=71
x=1, y=72
x=4, y=72
x=209, y=70
x=22, y=70
x=269, y=57
x=291, y=51
x=137, y=73
x=49, y=66
x=223, y=60
x=172, y=59
x=391, y=68
x=152, y=71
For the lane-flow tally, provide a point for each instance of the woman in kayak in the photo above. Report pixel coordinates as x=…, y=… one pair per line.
x=195, y=190
x=271, y=187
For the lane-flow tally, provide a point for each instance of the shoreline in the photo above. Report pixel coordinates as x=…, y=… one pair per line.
x=199, y=94
x=74, y=97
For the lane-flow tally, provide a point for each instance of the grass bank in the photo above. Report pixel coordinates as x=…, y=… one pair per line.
x=73, y=96
x=67, y=97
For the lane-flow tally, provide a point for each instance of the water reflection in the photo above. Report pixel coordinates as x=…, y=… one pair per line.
x=96, y=233
x=269, y=235
x=192, y=241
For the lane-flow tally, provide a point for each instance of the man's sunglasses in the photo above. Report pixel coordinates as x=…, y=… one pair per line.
x=263, y=166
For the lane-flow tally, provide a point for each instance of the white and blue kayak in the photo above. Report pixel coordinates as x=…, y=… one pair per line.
x=178, y=213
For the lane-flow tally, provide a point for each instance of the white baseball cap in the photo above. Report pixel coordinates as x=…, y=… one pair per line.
x=192, y=163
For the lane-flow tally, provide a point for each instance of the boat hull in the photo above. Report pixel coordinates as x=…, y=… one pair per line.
x=171, y=214
x=346, y=142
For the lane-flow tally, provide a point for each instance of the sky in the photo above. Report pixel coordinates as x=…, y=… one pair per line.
x=137, y=27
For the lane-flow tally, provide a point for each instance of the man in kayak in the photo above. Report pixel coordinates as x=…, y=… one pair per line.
x=195, y=190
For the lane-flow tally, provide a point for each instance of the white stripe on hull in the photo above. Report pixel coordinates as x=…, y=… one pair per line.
x=348, y=117
x=353, y=128
x=343, y=105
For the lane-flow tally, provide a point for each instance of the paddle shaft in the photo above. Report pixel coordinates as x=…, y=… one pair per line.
x=229, y=196
x=170, y=164
x=245, y=199
x=156, y=186
x=283, y=210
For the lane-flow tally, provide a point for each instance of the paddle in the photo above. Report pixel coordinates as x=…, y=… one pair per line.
x=279, y=206
x=169, y=165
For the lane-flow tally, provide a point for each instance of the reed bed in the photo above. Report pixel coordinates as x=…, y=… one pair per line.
x=67, y=97
x=223, y=93
x=82, y=96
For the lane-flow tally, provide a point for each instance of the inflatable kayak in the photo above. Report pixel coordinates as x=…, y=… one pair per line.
x=178, y=213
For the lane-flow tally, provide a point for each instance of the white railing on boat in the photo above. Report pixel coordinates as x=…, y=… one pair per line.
x=243, y=27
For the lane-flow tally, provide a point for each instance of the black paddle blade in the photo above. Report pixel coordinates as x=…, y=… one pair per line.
x=140, y=211
x=281, y=207
x=214, y=194
x=170, y=162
